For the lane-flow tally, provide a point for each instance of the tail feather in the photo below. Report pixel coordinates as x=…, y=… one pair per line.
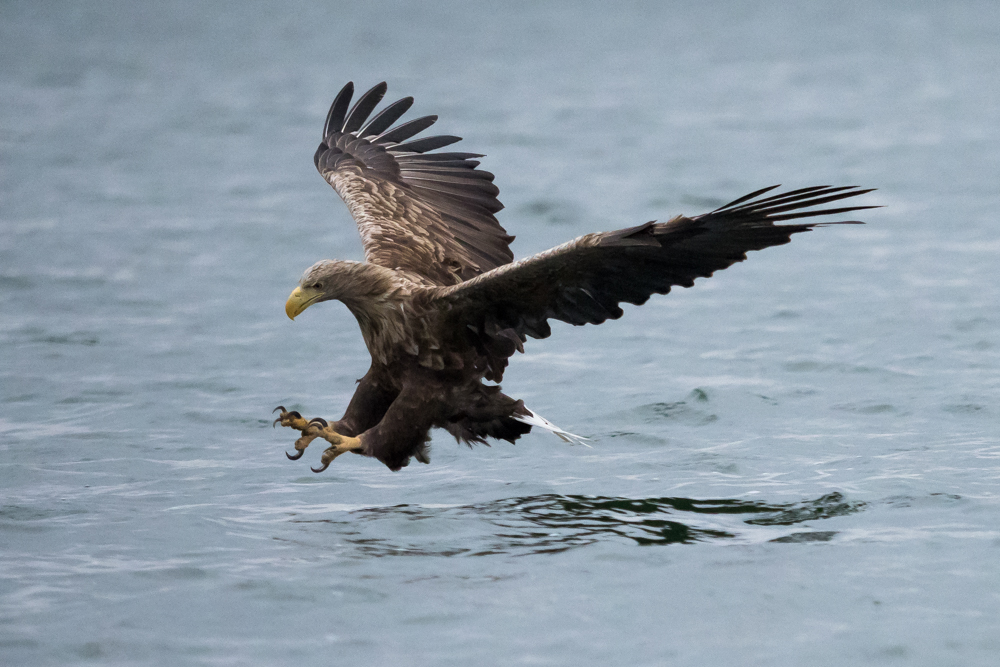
x=535, y=419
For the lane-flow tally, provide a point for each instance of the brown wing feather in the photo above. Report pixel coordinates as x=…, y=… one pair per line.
x=583, y=281
x=428, y=214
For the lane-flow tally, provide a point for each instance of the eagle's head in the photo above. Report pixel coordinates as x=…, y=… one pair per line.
x=357, y=284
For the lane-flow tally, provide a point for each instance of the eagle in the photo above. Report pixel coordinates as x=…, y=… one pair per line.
x=441, y=304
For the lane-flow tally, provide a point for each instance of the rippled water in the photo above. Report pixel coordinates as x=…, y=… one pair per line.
x=795, y=462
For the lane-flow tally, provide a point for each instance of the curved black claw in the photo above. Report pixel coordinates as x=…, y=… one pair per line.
x=325, y=466
x=297, y=456
x=294, y=414
x=319, y=420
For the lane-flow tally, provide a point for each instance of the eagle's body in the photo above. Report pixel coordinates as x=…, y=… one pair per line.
x=441, y=304
x=423, y=367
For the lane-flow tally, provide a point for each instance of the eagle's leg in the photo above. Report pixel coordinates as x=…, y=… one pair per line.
x=339, y=443
x=312, y=429
x=366, y=409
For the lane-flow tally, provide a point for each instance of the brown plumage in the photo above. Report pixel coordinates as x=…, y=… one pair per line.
x=440, y=303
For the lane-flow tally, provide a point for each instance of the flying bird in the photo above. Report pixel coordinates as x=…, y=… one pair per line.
x=441, y=304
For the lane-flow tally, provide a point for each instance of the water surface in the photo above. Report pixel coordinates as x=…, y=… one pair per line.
x=794, y=462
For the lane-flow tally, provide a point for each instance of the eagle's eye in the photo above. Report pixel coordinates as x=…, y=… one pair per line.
x=318, y=287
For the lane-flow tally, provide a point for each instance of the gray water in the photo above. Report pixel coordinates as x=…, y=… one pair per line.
x=795, y=462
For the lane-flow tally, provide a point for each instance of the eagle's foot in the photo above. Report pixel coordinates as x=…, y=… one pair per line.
x=293, y=419
x=312, y=429
x=339, y=444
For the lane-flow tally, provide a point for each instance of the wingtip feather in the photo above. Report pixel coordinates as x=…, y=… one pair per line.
x=338, y=110
x=363, y=107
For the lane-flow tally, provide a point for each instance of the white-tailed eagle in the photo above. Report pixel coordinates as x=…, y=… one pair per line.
x=442, y=305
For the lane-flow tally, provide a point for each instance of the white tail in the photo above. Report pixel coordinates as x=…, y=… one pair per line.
x=535, y=419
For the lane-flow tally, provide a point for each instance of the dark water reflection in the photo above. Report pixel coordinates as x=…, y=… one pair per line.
x=552, y=523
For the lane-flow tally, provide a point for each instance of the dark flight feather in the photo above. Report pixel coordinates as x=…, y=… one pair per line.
x=363, y=108
x=384, y=119
x=338, y=110
x=426, y=144
x=406, y=130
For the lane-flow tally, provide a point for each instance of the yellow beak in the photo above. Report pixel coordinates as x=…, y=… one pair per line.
x=300, y=299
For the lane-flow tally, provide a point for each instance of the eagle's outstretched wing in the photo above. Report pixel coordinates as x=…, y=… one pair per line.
x=429, y=214
x=584, y=280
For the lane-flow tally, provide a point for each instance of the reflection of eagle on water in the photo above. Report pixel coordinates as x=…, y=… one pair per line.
x=440, y=302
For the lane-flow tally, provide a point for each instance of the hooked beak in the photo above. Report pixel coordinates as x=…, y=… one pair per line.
x=300, y=299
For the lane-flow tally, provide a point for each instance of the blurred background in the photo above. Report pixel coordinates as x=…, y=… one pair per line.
x=794, y=462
